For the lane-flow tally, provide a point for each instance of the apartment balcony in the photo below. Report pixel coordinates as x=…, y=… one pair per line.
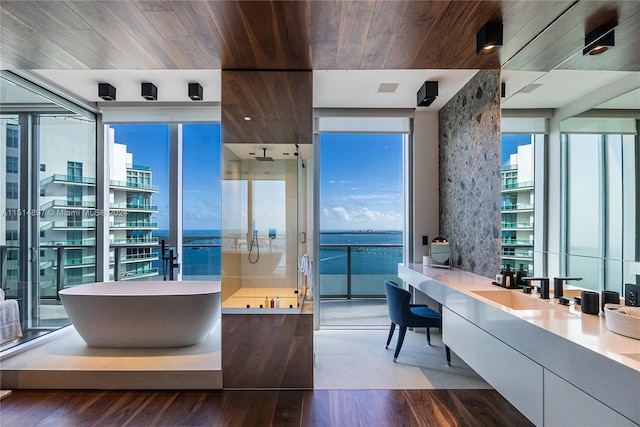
x=68, y=179
x=135, y=241
x=64, y=204
x=87, y=261
x=76, y=243
x=509, y=168
x=517, y=186
x=134, y=225
x=141, y=187
x=518, y=207
x=521, y=257
x=133, y=166
x=65, y=225
x=517, y=226
x=128, y=259
x=138, y=274
x=514, y=242
x=134, y=207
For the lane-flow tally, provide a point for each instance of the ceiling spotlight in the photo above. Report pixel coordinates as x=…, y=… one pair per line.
x=247, y=118
x=195, y=91
x=489, y=38
x=427, y=93
x=106, y=92
x=599, y=40
x=149, y=91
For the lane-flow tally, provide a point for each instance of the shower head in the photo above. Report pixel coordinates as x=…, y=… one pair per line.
x=264, y=157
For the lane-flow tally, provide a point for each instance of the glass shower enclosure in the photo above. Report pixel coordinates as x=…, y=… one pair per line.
x=262, y=215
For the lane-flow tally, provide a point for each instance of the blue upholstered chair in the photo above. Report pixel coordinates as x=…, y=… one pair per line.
x=407, y=315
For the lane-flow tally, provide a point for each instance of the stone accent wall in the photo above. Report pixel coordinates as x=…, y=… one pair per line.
x=470, y=160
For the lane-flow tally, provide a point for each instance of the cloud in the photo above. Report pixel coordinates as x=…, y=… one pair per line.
x=341, y=213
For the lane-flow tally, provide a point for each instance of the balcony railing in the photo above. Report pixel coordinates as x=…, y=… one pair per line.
x=58, y=203
x=68, y=179
x=517, y=207
x=518, y=255
x=133, y=224
x=513, y=242
x=138, y=167
x=129, y=184
x=509, y=168
x=137, y=240
x=351, y=271
x=524, y=184
x=65, y=225
x=133, y=206
x=519, y=225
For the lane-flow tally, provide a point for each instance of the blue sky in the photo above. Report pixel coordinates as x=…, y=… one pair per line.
x=510, y=143
x=361, y=182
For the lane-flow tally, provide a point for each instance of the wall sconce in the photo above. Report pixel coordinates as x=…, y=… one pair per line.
x=195, y=91
x=503, y=90
x=427, y=93
x=106, y=92
x=599, y=40
x=149, y=91
x=489, y=38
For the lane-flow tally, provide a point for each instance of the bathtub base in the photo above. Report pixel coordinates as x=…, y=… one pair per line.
x=65, y=362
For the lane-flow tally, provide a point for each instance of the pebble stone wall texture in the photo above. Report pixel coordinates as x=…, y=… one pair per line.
x=470, y=161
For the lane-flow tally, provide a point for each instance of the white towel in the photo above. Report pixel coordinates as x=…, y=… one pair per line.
x=9, y=321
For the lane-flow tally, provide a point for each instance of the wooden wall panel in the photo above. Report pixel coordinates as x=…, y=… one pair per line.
x=267, y=351
x=278, y=102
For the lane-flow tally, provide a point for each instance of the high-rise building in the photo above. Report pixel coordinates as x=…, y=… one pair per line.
x=130, y=227
x=517, y=209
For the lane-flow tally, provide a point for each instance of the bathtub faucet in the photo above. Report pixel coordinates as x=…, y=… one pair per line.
x=168, y=261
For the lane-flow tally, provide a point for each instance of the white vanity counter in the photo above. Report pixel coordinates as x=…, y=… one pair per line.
x=560, y=343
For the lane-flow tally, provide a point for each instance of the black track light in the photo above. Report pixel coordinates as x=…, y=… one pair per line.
x=489, y=38
x=149, y=91
x=599, y=40
x=106, y=92
x=195, y=91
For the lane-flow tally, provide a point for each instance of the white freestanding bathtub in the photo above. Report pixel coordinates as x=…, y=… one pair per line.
x=143, y=314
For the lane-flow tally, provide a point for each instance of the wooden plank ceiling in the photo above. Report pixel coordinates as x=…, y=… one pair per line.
x=285, y=35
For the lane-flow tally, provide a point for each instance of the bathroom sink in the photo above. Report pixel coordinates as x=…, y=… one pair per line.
x=514, y=300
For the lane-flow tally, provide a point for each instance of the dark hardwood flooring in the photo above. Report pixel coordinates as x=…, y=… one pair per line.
x=342, y=408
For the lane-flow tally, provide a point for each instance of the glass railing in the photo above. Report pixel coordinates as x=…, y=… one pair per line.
x=132, y=274
x=517, y=242
x=129, y=184
x=201, y=261
x=524, y=184
x=78, y=242
x=518, y=206
x=133, y=240
x=141, y=207
x=352, y=271
x=66, y=225
x=65, y=204
x=133, y=224
x=517, y=225
x=523, y=255
x=68, y=179
x=138, y=167
x=509, y=168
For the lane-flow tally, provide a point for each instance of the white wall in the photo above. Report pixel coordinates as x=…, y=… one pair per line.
x=425, y=181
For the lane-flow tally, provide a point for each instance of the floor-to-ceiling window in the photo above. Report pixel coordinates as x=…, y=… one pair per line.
x=361, y=224
x=601, y=207
x=517, y=200
x=48, y=200
x=142, y=202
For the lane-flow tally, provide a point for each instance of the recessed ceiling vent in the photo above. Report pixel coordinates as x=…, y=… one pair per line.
x=530, y=88
x=388, y=87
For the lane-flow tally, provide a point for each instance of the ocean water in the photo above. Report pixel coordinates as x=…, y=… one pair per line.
x=365, y=258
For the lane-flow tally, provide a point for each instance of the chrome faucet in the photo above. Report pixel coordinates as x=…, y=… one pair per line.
x=558, y=285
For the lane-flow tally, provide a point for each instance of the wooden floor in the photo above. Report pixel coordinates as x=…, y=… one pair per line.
x=343, y=408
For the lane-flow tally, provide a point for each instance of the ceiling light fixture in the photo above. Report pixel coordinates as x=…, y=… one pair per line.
x=427, y=93
x=247, y=118
x=106, y=92
x=195, y=91
x=599, y=40
x=489, y=38
x=149, y=92
x=503, y=90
